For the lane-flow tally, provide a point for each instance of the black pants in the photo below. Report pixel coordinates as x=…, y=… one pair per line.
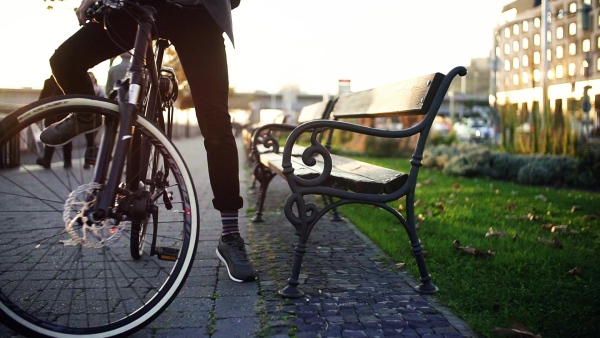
x=199, y=43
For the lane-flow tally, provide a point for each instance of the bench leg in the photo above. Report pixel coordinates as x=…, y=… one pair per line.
x=264, y=176
x=336, y=215
x=291, y=290
x=426, y=286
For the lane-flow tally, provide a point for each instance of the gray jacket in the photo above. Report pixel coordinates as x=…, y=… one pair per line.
x=220, y=10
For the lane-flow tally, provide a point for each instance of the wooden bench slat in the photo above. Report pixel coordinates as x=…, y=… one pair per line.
x=346, y=174
x=407, y=97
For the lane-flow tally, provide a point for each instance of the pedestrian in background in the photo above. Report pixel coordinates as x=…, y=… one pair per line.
x=117, y=72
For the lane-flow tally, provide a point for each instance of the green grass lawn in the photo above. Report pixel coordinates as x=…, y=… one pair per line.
x=527, y=282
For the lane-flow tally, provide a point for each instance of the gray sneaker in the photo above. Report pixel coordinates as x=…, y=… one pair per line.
x=66, y=129
x=232, y=252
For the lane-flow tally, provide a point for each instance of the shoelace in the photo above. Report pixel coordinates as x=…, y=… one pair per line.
x=237, y=244
x=64, y=124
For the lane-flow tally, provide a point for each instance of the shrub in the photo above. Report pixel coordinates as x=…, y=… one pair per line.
x=474, y=160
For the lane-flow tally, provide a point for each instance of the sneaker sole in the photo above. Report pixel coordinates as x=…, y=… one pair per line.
x=62, y=144
x=227, y=266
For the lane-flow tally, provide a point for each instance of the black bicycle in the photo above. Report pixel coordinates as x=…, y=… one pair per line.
x=101, y=252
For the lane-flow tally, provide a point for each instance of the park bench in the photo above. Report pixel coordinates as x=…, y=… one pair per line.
x=315, y=171
x=248, y=131
x=265, y=144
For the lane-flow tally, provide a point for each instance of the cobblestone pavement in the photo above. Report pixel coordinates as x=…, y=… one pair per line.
x=352, y=289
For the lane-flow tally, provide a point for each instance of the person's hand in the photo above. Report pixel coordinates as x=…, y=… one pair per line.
x=85, y=4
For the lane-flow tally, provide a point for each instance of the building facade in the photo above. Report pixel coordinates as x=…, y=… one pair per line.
x=570, y=75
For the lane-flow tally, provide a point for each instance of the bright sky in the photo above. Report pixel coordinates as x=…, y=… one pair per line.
x=308, y=43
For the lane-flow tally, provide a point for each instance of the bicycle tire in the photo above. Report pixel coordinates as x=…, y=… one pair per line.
x=52, y=287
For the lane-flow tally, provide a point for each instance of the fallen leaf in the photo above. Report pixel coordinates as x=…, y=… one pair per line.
x=575, y=208
x=511, y=206
x=530, y=217
x=541, y=197
x=455, y=186
x=491, y=233
x=552, y=242
x=400, y=266
x=559, y=228
x=473, y=251
x=427, y=182
x=514, y=333
x=590, y=217
x=515, y=237
x=421, y=217
x=576, y=271
x=440, y=207
x=418, y=203
x=547, y=226
x=517, y=330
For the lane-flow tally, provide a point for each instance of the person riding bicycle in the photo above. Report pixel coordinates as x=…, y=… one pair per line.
x=195, y=28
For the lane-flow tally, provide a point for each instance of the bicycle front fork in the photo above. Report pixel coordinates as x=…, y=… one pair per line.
x=117, y=132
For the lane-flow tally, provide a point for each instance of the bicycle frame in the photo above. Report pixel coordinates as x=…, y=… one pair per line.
x=130, y=97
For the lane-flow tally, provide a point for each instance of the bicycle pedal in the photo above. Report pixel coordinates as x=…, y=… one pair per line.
x=167, y=254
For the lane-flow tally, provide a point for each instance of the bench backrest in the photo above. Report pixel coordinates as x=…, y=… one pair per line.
x=409, y=97
x=315, y=111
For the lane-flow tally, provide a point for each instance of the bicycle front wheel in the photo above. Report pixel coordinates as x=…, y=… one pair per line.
x=53, y=283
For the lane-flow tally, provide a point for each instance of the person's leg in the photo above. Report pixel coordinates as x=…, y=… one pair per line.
x=201, y=50
x=67, y=150
x=91, y=150
x=71, y=61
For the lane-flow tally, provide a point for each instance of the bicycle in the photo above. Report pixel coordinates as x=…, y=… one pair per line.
x=84, y=253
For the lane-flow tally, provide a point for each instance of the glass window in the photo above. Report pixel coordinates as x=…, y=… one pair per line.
x=506, y=65
x=598, y=64
x=537, y=74
x=537, y=39
x=537, y=22
x=559, y=33
x=572, y=28
x=549, y=36
x=536, y=58
x=525, y=77
x=559, y=72
x=586, y=45
x=515, y=63
x=573, y=7
x=525, y=43
x=549, y=55
x=585, y=68
x=516, y=45
x=551, y=74
x=516, y=29
x=515, y=79
x=506, y=49
x=507, y=32
x=572, y=69
x=525, y=61
x=559, y=52
x=525, y=26
x=572, y=48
